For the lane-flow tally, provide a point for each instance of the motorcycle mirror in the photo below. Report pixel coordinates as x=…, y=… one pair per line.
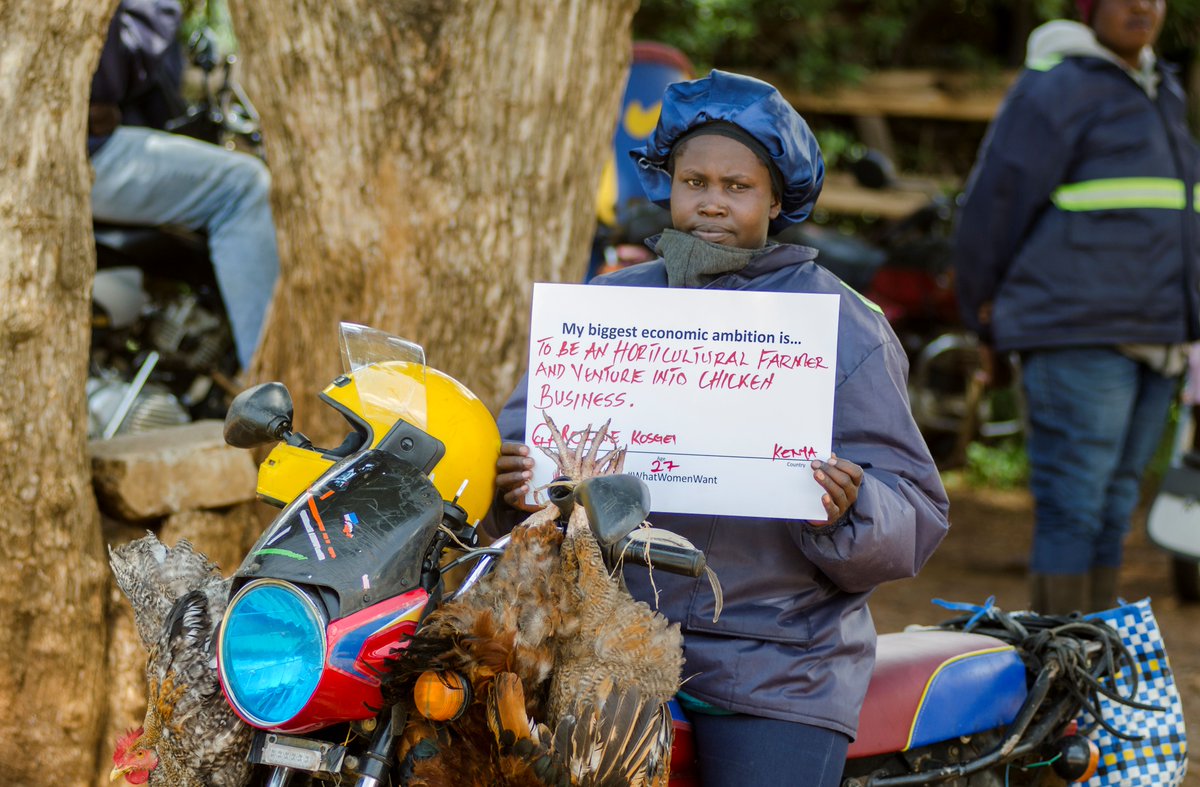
x=259, y=415
x=615, y=505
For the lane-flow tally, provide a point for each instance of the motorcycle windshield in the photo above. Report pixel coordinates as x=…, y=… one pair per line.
x=389, y=373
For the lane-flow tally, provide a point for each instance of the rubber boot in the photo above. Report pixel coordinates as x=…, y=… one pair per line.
x=1061, y=594
x=1104, y=588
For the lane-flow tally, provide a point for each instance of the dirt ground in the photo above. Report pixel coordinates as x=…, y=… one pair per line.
x=985, y=553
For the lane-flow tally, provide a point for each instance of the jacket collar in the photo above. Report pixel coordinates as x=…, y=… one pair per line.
x=781, y=255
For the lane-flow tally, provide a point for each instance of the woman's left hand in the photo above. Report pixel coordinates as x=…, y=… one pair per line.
x=841, y=479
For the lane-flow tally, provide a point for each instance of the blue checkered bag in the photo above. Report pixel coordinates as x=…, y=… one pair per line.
x=1159, y=758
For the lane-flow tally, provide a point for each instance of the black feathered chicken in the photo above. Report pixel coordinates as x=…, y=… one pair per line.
x=190, y=737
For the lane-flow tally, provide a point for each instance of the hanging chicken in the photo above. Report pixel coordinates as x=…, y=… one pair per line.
x=190, y=737
x=564, y=677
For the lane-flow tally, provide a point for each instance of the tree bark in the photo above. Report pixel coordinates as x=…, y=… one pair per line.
x=431, y=160
x=53, y=573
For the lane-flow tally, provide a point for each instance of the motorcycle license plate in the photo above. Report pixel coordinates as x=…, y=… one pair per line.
x=299, y=754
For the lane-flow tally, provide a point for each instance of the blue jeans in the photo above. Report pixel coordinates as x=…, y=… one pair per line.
x=1096, y=418
x=741, y=750
x=151, y=177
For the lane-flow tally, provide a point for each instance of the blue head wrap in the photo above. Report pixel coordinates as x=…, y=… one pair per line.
x=758, y=109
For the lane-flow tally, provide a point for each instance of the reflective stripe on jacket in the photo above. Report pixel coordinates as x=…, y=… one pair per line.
x=1080, y=223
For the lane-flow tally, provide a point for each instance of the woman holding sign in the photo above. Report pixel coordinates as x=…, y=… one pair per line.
x=775, y=686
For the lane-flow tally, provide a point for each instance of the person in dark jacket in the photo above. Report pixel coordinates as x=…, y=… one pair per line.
x=147, y=176
x=1078, y=246
x=776, y=685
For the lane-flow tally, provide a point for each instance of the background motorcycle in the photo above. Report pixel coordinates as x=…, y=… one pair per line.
x=162, y=351
x=625, y=218
x=1174, y=520
x=988, y=699
x=906, y=269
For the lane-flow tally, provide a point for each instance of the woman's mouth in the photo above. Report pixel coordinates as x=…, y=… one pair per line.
x=710, y=233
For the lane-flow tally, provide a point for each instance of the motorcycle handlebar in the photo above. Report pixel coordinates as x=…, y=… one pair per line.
x=668, y=557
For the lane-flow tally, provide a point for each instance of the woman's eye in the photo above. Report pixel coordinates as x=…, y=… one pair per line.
x=694, y=182
x=737, y=187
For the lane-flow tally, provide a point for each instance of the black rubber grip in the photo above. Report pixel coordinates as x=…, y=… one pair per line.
x=665, y=557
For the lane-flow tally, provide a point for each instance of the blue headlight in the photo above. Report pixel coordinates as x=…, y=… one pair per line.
x=272, y=651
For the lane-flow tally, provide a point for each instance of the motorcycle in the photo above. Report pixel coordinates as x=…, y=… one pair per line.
x=1173, y=523
x=162, y=351
x=983, y=700
x=906, y=270
x=343, y=577
x=624, y=217
x=365, y=541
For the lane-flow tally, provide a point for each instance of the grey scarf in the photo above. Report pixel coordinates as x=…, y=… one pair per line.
x=692, y=262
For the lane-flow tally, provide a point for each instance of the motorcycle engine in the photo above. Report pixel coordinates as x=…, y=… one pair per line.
x=153, y=407
x=154, y=352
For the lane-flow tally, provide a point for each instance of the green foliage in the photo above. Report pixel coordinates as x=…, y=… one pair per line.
x=1003, y=465
x=837, y=145
x=1182, y=29
x=820, y=43
x=213, y=14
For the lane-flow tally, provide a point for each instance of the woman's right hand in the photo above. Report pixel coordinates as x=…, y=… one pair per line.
x=514, y=469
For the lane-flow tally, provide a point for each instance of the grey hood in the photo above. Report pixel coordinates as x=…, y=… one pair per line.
x=1053, y=41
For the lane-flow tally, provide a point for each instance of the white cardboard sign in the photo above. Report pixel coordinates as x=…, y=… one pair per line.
x=721, y=398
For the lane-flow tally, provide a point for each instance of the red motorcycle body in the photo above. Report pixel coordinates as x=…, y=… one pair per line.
x=928, y=687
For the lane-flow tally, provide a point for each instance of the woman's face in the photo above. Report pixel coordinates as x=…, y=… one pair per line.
x=721, y=193
x=1127, y=26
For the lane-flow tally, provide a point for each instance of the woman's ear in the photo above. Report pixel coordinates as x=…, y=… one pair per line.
x=776, y=206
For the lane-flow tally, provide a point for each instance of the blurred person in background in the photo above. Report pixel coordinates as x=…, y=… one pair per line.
x=1078, y=247
x=147, y=176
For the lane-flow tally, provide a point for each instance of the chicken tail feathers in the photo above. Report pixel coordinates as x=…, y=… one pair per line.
x=624, y=741
x=524, y=757
x=506, y=715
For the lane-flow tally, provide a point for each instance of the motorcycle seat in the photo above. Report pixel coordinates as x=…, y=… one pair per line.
x=933, y=685
x=165, y=252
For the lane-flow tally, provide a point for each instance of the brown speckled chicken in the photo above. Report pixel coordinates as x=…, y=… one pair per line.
x=178, y=598
x=570, y=675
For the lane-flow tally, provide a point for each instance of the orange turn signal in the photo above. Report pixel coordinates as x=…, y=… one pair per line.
x=441, y=696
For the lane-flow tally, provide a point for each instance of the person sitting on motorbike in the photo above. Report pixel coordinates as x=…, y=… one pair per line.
x=144, y=175
x=776, y=685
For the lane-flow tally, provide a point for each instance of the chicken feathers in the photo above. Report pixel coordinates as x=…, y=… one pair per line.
x=571, y=675
x=178, y=598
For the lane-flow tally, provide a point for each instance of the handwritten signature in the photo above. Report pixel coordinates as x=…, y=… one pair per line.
x=638, y=437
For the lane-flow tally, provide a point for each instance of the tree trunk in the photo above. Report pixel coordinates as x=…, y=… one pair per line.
x=53, y=573
x=431, y=160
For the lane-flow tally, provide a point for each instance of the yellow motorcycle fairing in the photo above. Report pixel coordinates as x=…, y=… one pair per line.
x=373, y=399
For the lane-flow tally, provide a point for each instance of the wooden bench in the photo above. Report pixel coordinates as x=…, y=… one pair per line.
x=896, y=93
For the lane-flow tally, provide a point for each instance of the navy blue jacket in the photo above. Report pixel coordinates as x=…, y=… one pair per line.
x=796, y=640
x=140, y=65
x=1080, y=223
